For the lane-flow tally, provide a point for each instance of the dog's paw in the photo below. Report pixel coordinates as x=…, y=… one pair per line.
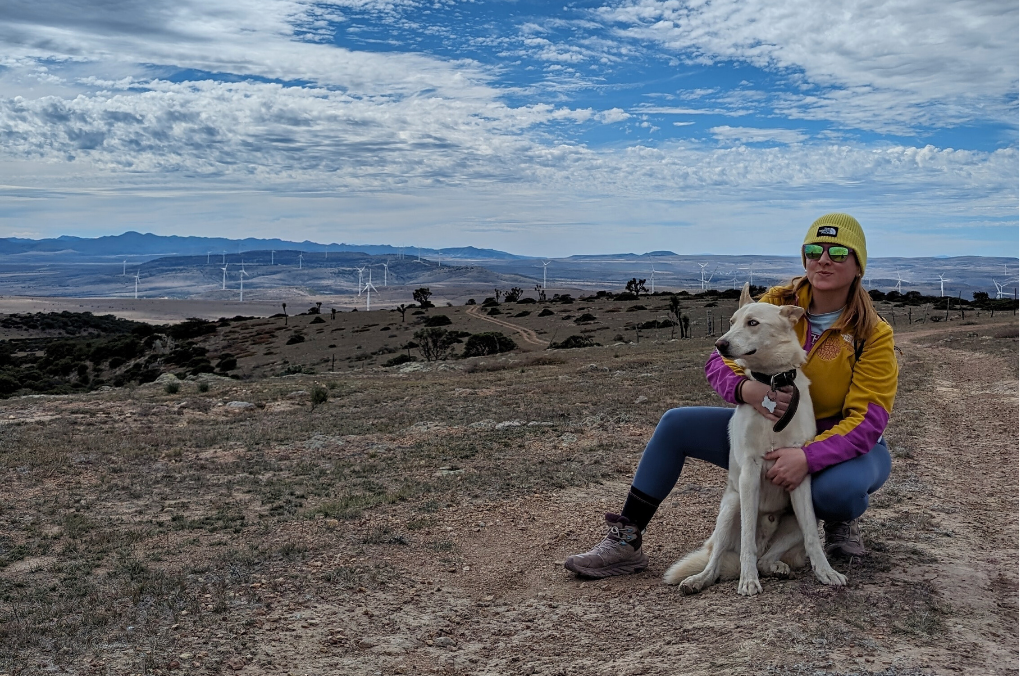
x=749, y=586
x=830, y=577
x=775, y=569
x=692, y=585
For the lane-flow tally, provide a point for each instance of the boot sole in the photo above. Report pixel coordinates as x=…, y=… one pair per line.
x=609, y=571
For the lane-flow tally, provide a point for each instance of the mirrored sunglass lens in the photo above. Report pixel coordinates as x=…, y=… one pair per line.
x=813, y=251
x=838, y=254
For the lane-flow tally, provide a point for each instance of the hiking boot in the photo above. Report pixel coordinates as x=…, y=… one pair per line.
x=615, y=555
x=843, y=539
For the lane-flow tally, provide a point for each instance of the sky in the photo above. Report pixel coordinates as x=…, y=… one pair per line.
x=546, y=129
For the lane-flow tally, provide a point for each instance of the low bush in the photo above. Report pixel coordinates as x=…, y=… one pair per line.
x=573, y=342
x=398, y=360
x=295, y=339
x=546, y=313
x=491, y=342
x=437, y=320
x=172, y=387
x=319, y=396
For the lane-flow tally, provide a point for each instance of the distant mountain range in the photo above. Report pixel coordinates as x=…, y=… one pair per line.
x=149, y=245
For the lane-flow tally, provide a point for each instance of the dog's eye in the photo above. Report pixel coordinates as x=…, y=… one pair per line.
x=752, y=322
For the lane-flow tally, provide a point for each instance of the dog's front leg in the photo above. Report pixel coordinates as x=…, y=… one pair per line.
x=805, y=511
x=750, y=487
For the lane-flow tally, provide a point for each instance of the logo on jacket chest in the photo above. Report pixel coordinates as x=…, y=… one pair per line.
x=833, y=346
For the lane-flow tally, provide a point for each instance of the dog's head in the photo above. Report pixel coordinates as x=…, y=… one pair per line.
x=762, y=337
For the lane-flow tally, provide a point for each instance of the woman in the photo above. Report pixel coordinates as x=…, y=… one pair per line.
x=853, y=371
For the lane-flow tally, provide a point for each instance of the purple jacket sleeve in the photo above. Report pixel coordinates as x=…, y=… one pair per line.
x=858, y=441
x=722, y=377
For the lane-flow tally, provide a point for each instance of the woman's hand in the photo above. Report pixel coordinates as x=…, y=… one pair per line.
x=790, y=468
x=753, y=392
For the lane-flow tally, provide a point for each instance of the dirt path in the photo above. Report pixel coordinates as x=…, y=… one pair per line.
x=526, y=334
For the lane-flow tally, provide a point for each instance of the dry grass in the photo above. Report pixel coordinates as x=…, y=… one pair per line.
x=141, y=524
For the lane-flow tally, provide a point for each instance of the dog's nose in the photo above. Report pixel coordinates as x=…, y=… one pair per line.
x=722, y=345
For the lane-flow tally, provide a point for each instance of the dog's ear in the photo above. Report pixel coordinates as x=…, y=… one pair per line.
x=792, y=312
x=745, y=295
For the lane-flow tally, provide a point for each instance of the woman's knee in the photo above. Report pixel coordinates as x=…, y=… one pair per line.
x=836, y=503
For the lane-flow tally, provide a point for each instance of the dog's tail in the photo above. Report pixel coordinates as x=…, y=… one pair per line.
x=695, y=562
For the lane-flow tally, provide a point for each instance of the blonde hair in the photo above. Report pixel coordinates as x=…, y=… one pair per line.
x=859, y=318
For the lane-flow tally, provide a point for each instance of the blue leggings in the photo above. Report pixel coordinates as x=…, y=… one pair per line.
x=839, y=492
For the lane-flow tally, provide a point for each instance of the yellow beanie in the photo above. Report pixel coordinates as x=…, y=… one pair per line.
x=838, y=229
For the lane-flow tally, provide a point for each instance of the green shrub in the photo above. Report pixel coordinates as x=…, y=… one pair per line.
x=438, y=320
x=295, y=339
x=573, y=342
x=491, y=342
x=172, y=387
x=320, y=395
x=203, y=386
x=398, y=360
x=546, y=313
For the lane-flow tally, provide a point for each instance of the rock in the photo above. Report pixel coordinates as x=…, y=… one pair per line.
x=298, y=394
x=412, y=366
x=367, y=643
x=486, y=424
x=444, y=641
x=235, y=663
x=509, y=423
x=166, y=378
x=640, y=400
x=240, y=405
x=186, y=656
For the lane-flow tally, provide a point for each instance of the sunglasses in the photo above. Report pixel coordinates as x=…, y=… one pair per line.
x=837, y=254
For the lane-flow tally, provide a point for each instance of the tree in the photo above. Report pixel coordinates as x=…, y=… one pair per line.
x=402, y=309
x=980, y=296
x=674, y=314
x=421, y=297
x=434, y=344
x=541, y=292
x=498, y=293
x=514, y=294
x=636, y=286
x=286, y=317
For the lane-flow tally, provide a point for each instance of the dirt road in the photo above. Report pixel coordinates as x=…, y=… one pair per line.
x=527, y=335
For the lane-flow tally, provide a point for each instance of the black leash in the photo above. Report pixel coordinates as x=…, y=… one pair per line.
x=776, y=381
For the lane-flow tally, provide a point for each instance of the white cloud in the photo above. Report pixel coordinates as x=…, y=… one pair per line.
x=877, y=64
x=612, y=115
x=757, y=135
x=682, y=124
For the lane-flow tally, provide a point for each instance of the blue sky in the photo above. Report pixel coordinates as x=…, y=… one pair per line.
x=533, y=127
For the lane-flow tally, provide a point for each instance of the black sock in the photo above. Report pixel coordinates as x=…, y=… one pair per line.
x=640, y=508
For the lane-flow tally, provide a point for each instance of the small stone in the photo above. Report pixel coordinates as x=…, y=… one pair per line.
x=444, y=642
x=186, y=656
x=467, y=569
x=240, y=405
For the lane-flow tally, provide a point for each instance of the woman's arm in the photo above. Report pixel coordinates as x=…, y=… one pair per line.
x=866, y=407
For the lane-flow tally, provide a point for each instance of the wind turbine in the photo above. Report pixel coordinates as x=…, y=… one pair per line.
x=136, y=283
x=224, y=268
x=125, y=269
x=419, y=254
x=734, y=280
x=300, y=258
x=243, y=275
x=998, y=289
x=208, y=254
x=224, y=261
x=653, y=280
x=385, y=274
x=899, y=283
x=361, y=277
x=369, y=288
x=942, y=286
x=272, y=257
x=704, y=282
x=545, y=266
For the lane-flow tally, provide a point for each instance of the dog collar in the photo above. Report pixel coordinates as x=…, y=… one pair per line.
x=783, y=379
x=775, y=381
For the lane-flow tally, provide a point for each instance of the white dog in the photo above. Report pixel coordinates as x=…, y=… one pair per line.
x=755, y=531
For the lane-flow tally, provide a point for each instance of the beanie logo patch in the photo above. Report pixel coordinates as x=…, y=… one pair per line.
x=827, y=231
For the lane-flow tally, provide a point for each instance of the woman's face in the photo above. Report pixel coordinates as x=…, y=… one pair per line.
x=827, y=276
